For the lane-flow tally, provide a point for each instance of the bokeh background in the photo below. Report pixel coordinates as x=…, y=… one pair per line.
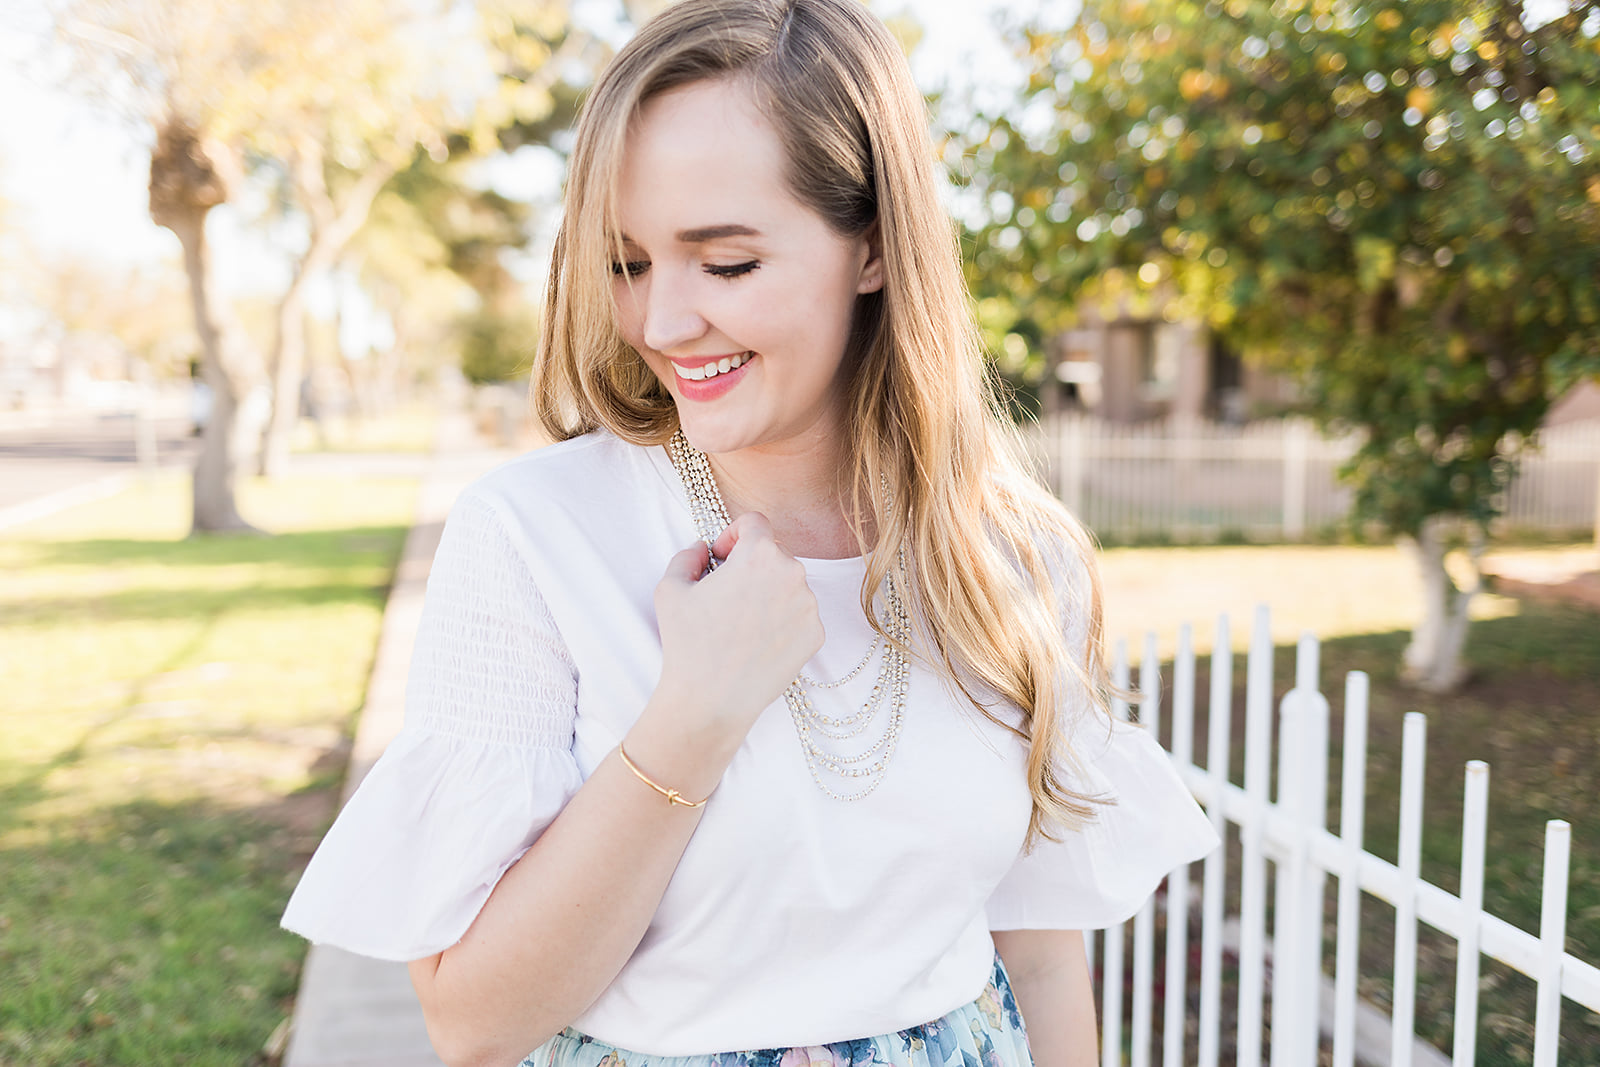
x=1297, y=302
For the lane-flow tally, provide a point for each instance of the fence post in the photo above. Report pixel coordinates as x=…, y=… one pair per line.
x=1297, y=924
x=1315, y=816
x=1070, y=476
x=1253, y=867
x=1296, y=460
x=1144, y=923
x=1111, y=971
x=1219, y=715
x=1352, y=814
x=1474, y=824
x=1597, y=504
x=1176, y=994
x=1413, y=755
x=1552, y=942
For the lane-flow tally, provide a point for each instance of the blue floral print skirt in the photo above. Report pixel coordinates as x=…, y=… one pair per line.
x=986, y=1033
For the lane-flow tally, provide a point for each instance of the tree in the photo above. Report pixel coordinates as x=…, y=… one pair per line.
x=434, y=245
x=336, y=146
x=1400, y=203
x=347, y=96
x=328, y=103
x=163, y=66
x=156, y=64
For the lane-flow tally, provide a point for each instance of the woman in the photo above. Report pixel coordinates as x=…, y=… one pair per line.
x=793, y=794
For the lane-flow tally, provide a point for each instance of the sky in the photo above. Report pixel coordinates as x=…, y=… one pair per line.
x=74, y=178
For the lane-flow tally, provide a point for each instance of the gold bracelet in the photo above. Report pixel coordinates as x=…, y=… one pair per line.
x=672, y=795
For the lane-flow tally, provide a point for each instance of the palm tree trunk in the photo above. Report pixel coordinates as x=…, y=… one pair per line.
x=216, y=466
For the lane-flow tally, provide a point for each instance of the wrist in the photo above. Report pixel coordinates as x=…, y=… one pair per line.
x=678, y=755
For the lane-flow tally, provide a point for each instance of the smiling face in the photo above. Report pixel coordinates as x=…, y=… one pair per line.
x=737, y=296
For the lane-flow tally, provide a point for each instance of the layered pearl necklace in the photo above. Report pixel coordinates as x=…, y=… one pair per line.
x=861, y=771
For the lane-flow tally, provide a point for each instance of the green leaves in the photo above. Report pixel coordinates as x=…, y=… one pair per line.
x=1399, y=204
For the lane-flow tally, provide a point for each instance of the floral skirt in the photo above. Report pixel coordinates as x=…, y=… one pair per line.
x=986, y=1033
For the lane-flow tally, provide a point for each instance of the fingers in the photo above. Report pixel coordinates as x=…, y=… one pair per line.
x=688, y=566
x=751, y=526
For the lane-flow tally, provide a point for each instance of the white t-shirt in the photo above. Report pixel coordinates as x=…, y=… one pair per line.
x=793, y=918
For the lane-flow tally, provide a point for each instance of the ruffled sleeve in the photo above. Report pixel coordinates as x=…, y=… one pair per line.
x=482, y=766
x=1102, y=874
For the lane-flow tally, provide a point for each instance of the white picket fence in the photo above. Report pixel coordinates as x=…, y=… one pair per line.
x=1273, y=478
x=1287, y=836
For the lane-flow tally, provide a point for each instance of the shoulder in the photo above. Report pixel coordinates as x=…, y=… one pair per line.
x=560, y=468
x=592, y=503
x=594, y=474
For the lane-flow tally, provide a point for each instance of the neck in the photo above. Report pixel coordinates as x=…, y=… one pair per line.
x=798, y=485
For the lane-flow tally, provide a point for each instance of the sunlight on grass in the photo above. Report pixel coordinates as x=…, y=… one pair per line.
x=1331, y=591
x=177, y=712
x=406, y=430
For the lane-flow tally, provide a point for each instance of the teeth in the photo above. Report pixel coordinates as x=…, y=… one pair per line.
x=711, y=370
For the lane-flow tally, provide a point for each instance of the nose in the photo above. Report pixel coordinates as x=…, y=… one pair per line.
x=670, y=316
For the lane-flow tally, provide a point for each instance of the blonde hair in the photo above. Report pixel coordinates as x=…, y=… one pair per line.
x=997, y=561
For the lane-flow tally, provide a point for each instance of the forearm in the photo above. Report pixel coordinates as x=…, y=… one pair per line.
x=1049, y=974
x=563, y=921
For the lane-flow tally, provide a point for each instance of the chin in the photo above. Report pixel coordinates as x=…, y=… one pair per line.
x=713, y=439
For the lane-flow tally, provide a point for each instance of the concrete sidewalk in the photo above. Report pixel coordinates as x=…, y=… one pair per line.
x=352, y=1011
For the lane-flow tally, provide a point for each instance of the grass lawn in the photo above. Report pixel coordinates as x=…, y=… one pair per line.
x=176, y=720
x=1532, y=711
x=406, y=429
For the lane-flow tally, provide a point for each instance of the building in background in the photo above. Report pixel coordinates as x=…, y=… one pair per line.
x=1129, y=366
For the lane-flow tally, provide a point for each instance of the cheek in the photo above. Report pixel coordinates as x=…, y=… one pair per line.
x=627, y=309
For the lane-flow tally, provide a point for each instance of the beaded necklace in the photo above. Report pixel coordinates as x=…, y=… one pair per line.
x=864, y=769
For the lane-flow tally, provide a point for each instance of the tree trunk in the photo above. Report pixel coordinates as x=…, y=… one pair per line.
x=188, y=179
x=216, y=466
x=332, y=227
x=288, y=367
x=1433, y=660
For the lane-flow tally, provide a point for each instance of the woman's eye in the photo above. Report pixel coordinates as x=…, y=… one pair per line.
x=732, y=270
x=633, y=268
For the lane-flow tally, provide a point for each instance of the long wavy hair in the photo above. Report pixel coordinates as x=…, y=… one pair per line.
x=1002, y=573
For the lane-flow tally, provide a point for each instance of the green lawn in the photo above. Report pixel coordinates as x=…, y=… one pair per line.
x=1531, y=710
x=406, y=429
x=176, y=722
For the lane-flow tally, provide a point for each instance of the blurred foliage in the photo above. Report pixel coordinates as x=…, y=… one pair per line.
x=432, y=255
x=498, y=345
x=362, y=118
x=1400, y=204
x=541, y=65
x=143, y=311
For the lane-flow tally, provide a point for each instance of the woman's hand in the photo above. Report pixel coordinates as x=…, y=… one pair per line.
x=572, y=910
x=732, y=639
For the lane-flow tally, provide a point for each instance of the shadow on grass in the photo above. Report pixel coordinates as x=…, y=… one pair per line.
x=286, y=560
x=188, y=602
x=150, y=934
x=306, y=548
x=25, y=784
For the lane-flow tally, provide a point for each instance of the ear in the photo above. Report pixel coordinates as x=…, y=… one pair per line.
x=870, y=279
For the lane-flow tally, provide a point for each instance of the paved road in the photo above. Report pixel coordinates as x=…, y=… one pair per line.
x=37, y=460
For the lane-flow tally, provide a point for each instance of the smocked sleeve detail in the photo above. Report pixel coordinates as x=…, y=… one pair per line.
x=483, y=764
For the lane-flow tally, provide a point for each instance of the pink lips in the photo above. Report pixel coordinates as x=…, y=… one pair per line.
x=711, y=388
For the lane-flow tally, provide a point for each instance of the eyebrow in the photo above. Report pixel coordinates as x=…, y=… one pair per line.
x=701, y=234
